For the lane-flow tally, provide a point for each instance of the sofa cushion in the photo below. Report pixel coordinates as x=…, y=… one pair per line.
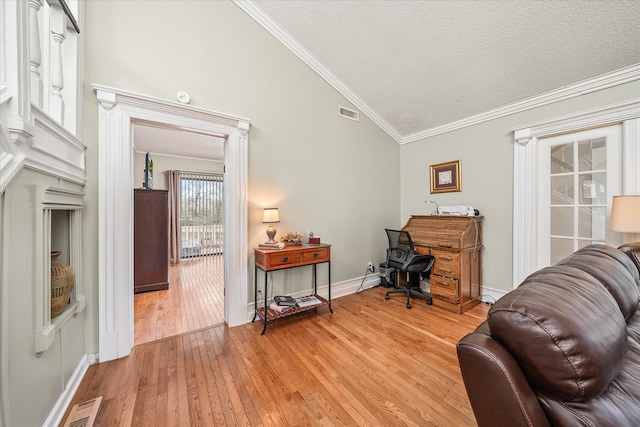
x=565, y=330
x=616, y=254
x=612, y=274
x=618, y=406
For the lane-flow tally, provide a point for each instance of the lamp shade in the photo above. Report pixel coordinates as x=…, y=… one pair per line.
x=625, y=214
x=270, y=215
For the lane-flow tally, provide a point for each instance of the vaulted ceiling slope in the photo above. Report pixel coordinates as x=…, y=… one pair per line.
x=417, y=68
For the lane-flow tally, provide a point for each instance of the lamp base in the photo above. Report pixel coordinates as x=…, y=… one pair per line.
x=271, y=233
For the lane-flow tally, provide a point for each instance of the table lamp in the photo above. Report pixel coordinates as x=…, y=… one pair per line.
x=270, y=216
x=625, y=215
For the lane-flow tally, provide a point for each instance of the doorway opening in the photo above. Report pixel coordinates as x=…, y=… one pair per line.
x=195, y=297
x=118, y=110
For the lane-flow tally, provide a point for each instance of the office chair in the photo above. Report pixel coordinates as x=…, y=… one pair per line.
x=400, y=255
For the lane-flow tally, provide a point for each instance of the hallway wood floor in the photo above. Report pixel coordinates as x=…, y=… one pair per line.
x=370, y=363
x=194, y=300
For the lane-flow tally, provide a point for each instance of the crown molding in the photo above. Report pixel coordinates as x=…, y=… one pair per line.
x=251, y=9
x=604, y=81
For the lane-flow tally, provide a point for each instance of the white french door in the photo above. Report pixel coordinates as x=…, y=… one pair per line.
x=579, y=173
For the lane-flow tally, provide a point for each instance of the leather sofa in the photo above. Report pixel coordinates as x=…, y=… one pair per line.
x=562, y=349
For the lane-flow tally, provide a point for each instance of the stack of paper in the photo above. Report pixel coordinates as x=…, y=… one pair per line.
x=271, y=245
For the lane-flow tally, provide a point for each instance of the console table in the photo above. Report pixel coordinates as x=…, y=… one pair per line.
x=456, y=244
x=290, y=257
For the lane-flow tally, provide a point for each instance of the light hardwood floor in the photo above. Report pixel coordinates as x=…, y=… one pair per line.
x=370, y=363
x=194, y=300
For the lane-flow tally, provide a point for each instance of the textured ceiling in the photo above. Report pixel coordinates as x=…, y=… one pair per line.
x=423, y=64
x=178, y=143
x=416, y=66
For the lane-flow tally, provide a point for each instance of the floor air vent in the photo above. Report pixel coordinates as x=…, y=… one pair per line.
x=349, y=114
x=84, y=414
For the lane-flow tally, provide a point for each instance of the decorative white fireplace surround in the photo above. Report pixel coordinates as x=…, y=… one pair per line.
x=118, y=111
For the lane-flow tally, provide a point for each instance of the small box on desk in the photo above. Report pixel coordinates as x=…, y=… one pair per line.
x=314, y=240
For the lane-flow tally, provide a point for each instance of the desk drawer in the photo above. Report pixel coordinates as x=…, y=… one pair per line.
x=316, y=255
x=444, y=289
x=277, y=260
x=447, y=264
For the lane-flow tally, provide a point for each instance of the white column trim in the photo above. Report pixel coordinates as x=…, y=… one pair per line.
x=35, y=52
x=235, y=224
x=525, y=219
x=631, y=156
x=118, y=110
x=58, y=28
x=525, y=172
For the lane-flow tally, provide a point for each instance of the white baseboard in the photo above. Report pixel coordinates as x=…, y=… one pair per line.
x=491, y=295
x=57, y=413
x=348, y=287
x=339, y=289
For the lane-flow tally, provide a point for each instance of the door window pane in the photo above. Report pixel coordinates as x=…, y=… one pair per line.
x=592, y=155
x=559, y=249
x=561, y=221
x=593, y=187
x=562, y=190
x=562, y=158
x=592, y=223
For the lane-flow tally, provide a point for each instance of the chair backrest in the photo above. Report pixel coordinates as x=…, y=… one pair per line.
x=400, y=249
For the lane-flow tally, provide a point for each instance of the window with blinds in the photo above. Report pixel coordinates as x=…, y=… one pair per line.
x=201, y=214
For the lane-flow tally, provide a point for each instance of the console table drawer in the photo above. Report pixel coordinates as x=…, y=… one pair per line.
x=446, y=264
x=444, y=289
x=316, y=255
x=284, y=259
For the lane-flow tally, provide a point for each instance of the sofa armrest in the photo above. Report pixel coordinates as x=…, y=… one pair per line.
x=498, y=390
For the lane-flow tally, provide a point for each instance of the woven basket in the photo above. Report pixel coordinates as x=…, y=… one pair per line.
x=62, y=281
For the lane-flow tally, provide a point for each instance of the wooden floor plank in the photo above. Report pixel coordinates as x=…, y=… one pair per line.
x=372, y=362
x=194, y=300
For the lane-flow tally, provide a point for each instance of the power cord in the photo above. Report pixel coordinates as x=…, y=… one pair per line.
x=360, y=288
x=493, y=300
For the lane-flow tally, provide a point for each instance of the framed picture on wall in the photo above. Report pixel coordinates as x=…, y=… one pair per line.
x=148, y=171
x=445, y=177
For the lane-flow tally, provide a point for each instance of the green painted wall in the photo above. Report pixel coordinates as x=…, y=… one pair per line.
x=486, y=154
x=333, y=176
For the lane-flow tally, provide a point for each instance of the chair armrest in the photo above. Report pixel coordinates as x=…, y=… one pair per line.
x=498, y=391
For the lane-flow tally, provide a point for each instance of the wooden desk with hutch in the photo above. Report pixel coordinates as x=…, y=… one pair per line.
x=291, y=256
x=456, y=244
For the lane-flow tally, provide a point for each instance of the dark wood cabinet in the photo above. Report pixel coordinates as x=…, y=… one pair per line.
x=151, y=240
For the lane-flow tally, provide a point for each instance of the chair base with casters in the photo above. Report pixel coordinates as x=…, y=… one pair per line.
x=402, y=256
x=410, y=290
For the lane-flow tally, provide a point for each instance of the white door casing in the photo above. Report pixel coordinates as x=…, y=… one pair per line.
x=526, y=171
x=118, y=111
